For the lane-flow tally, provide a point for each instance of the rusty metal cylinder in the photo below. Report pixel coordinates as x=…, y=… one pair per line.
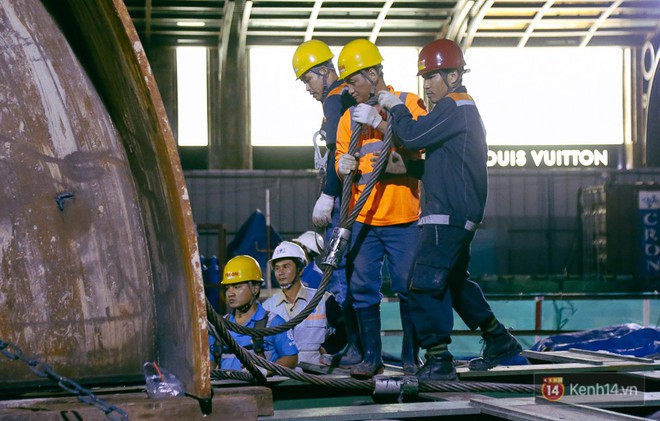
x=99, y=269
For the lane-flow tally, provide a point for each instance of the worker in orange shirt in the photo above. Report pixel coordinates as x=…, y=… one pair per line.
x=386, y=228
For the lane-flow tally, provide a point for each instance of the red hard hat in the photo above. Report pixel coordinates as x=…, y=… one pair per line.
x=440, y=54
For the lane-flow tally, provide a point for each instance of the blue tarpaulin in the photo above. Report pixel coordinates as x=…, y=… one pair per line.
x=211, y=276
x=626, y=339
x=251, y=240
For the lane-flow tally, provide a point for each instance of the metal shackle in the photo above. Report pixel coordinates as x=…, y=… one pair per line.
x=334, y=252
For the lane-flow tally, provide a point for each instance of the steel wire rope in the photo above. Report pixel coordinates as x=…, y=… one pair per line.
x=250, y=360
x=238, y=351
x=346, y=221
x=354, y=384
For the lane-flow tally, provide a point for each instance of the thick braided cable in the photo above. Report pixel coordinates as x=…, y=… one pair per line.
x=221, y=332
x=346, y=221
x=375, y=175
x=369, y=385
x=251, y=360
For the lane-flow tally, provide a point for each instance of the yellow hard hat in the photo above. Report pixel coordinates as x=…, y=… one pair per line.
x=241, y=269
x=357, y=55
x=309, y=54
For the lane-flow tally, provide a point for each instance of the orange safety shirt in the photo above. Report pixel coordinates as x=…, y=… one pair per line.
x=395, y=198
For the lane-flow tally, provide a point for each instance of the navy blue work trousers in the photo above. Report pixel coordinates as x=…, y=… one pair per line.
x=371, y=248
x=440, y=281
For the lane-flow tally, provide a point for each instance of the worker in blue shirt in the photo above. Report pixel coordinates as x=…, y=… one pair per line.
x=455, y=184
x=312, y=65
x=242, y=280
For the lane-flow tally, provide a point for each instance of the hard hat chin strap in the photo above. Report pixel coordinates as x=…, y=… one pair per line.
x=290, y=285
x=324, y=76
x=458, y=83
x=372, y=90
x=298, y=277
x=245, y=308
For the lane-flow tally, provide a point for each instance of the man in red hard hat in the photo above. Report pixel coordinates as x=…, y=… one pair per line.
x=455, y=183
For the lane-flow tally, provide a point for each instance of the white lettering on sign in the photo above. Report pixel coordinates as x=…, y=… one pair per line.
x=510, y=158
x=549, y=158
x=649, y=206
x=653, y=265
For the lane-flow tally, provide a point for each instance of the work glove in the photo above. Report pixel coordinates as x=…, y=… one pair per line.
x=387, y=100
x=322, y=214
x=395, y=163
x=366, y=114
x=347, y=163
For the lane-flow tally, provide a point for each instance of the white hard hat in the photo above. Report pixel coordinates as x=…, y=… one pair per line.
x=312, y=241
x=287, y=249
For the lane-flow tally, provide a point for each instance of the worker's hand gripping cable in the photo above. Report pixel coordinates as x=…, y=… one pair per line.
x=334, y=252
x=338, y=243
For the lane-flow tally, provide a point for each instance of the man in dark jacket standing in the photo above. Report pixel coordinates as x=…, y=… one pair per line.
x=455, y=183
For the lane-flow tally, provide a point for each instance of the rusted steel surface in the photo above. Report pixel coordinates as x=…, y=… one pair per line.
x=108, y=277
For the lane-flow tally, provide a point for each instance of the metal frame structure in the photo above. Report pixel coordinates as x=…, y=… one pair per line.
x=401, y=22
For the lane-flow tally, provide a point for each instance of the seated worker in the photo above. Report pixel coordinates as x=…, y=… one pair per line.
x=242, y=282
x=312, y=244
x=322, y=331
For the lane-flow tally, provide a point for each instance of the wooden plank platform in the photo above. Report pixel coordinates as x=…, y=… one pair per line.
x=238, y=404
x=237, y=400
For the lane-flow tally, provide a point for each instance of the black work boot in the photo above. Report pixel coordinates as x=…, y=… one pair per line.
x=437, y=368
x=372, y=362
x=498, y=346
x=352, y=352
x=409, y=349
